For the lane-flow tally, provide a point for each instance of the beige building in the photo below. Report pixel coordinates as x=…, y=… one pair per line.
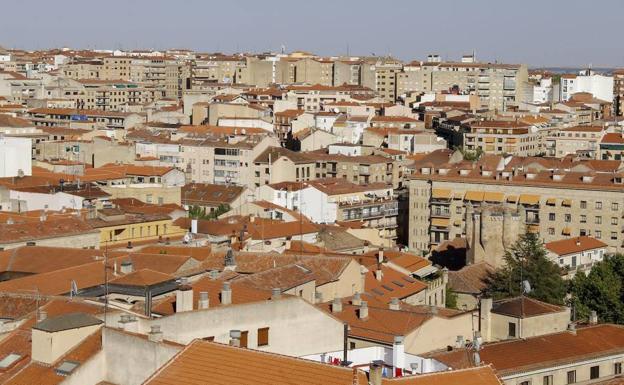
x=489, y=200
x=505, y=137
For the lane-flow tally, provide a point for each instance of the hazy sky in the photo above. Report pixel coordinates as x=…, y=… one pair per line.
x=537, y=32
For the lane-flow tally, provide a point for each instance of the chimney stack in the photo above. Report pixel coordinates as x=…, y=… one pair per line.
x=378, y=272
x=380, y=255
x=155, y=335
x=398, y=356
x=336, y=306
x=226, y=294
x=357, y=299
x=363, y=314
x=395, y=304
x=42, y=315
x=235, y=336
x=204, y=301
x=127, y=267
x=593, y=318
x=318, y=297
x=128, y=323
x=375, y=372
x=276, y=293
x=184, y=296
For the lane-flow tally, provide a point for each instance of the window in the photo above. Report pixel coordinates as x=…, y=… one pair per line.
x=614, y=220
x=617, y=368
x=583, y=218
x=594, y=372
x=243, y=339
x=613, y=235
x=263, y=336
x=614, y=206
x=598, y=205
x=571, y=377
x=598, y=220
x=598, y=234
x=511, y=329
x=551, y=231
x=209, y=339
x=583, y=204
x=548, y=380
x=527, y=382
x=551, y=216
x=568, y=218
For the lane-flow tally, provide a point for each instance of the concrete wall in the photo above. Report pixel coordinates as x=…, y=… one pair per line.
x=296, y=327
x=439, y=332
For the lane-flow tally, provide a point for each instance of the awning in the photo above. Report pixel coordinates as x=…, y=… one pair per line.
x=566, y=231
x=489, y=140
x=475, y=196
x=566, y=203
x=512, y=199
x=529, y=199
x=441, y=193
x=510, y=140
x=533, y=228
x=425, y=271
x=551, y=201
x=493, y=196
x=440, y=222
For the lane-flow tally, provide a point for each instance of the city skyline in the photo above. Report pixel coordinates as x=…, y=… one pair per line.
x=553, y=34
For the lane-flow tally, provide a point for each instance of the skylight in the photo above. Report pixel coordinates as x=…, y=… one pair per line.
x=9, y=360
x=66, y=368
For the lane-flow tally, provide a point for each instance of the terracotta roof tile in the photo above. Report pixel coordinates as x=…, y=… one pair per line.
x=240, y=366
x=574, y=245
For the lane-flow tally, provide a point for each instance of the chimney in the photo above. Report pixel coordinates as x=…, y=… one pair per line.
x=395, y=304
x=184, y=296
x=578, y=241
x=380, y=255
x=460, y=342
x=363, y=313
x=127, y=267
x=593, y=318
x=375, y=372
x=155, y=335
x=485, y=318
x=433, y=310
x=378, y=272
x=318, y=297
x=226, y=294
x=572, y=328
x=336, y=306
x=204, y=301
x=235, y=336
x=398, y=356
x=276, y=293
x=193, y=226
x=357, y=299
x=42, y=315
x=129, y=323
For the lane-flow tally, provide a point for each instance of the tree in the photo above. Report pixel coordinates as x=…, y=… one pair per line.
x=450, y=298
x=526, y=261
x=602, y=290
x=197, y=212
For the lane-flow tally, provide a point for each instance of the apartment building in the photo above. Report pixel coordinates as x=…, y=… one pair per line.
x=504, y=137
x=278, y=164
x=311, y=98
x=577, y=140
x=224, y=161
x=332, y=200
x=347, y=72
x=315, y=71
x=618, y=91
x=600, y=86
x=358, y=169
x=491, y=201
x=612, y=146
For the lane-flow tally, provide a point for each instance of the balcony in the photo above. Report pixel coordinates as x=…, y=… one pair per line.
x=440, y=213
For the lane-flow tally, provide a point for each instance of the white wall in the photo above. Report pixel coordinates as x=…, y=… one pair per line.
x=15, y=155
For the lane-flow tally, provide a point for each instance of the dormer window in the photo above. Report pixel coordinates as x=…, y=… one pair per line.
x=486, y=173
x=443, y=171
x=617, y=180
x=588, y=178
x=425, y=170
x=464, y=172
x=530, y=175
x=557, y=177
